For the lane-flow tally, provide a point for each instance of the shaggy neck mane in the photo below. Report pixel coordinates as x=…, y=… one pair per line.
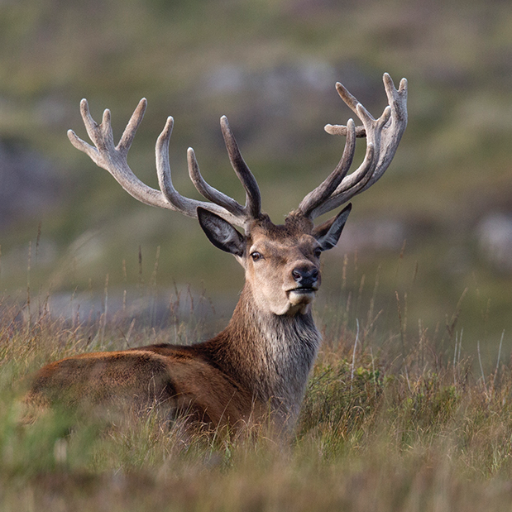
x=269, y=355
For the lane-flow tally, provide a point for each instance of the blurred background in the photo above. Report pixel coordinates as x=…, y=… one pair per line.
x=427, y=250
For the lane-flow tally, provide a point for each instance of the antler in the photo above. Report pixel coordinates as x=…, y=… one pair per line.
x=252, y=208
x=113, y=158
x=383, y=136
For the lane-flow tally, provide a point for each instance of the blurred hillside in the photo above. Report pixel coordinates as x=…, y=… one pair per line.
x=271, y=68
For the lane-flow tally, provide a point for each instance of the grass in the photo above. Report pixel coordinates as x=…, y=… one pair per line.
x=384, y=426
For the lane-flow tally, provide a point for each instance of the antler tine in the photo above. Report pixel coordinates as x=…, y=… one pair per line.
x=112, y=159
x=126, y=140
x=182, y=204
x=392, y=134
x=163, y=169
x=368, y=164
x=209, y=192
x=253, y=196
x=343, y=194
x=320, y=194
x=383, y=136
x=388, y=129
x=338, y=129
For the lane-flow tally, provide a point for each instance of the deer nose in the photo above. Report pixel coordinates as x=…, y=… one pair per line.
x=305, y=277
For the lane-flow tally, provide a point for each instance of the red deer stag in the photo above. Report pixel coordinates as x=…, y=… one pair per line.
x=259, y=364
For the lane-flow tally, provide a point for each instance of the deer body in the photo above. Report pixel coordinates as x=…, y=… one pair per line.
x=259, y=364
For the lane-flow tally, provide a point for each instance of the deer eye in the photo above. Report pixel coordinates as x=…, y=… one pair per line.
x=256, y=256
x=317, y=252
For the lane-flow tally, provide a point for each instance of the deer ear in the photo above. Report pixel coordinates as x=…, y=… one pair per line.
x=329, y=232
x=221, y=233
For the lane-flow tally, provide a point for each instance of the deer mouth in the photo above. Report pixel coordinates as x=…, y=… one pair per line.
x=303, y=290
x=301, y=295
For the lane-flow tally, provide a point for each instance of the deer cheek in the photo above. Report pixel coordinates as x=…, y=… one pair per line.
x=268, y=301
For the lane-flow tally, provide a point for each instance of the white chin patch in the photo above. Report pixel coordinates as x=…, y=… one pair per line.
x=297, y=298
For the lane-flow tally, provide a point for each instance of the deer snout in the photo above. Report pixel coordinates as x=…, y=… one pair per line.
x=305, y=277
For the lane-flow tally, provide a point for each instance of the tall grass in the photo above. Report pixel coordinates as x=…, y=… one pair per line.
x=380, y=429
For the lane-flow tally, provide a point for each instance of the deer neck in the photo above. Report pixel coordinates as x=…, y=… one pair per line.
x=269, y=355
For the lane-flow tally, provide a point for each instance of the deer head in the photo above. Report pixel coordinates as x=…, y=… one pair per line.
x=281, y=262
